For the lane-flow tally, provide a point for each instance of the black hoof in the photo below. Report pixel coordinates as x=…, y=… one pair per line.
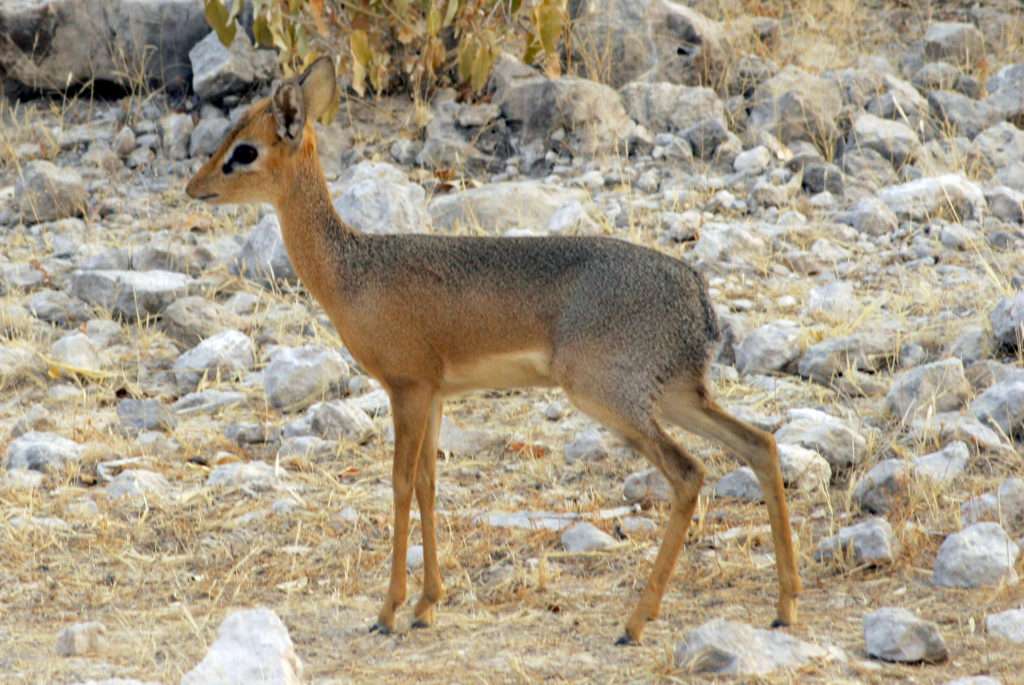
x=779, y=623
x=626, y=641
x=420, y=624
x=380, y=628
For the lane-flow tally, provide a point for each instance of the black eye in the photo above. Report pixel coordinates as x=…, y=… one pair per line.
x=244, y=154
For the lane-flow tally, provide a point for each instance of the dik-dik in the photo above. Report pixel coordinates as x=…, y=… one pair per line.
x=627, y=332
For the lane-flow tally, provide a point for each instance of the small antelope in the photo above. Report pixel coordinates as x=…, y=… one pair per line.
x=625, y=331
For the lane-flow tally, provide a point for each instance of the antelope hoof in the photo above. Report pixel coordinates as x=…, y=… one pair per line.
x=626, y=641
x=420, y=623
x=779, y=623
x=379, y=627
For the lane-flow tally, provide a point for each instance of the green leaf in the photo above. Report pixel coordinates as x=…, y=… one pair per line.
x=360, y=45
x=549, y=26
x=433, y=22
x=261, y=30
x=218, y=19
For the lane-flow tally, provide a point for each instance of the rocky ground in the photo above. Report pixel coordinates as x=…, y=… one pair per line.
x=184, y=436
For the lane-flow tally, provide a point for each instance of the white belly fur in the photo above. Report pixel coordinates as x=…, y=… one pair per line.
x=505, y=370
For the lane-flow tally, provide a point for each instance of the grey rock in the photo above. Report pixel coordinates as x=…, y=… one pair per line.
x=586, y=537
x=377, y=198
x=900, y=101
x=795, y=105
x=41, y=452
x=803, y=469
x=647, y=485
x=733, y=648
x=894, y=140
x=218, y=71
x=896, y=634
x=590, y=113
x=949, y=426
x=1006, y=204
x=250, y=474
x=333, y=420
x=57, y=307
x=374, y=403
x=974, y=680
x=867, y=166
x=1011, y=504
x=264, y=258
x=207, y=136
x=868, y=542
x=870, y=351
x=980, y=554
x=1002, y=406
x=225, y=355
x=251, y=433
x=44, y=191
x=883, y=488
x=77, y=351
x=837, y=442
x=998, y=146
x=447, y=144
x=753, y=160
x=662, y=106
x=931, y=388
x=81, y=638
x=130, y=295
x=631, y=526
x=176, y=129
x=206, y=401
x=1007, y=98
x=587, y=445
x=741, y=483
x=820, y=177
x=252, y=647
x=658, y=41
x=706, y=135
x=945, y=465
x=297, y=377
x=977, y=509
x=190, y=320
x=59, y=43
x=37, y=418
x=499, y=207
x=541, y=520
x=143, y=415
x=870, y=215
x=1007, y=320
x=960, y=42
x=465, y=441
x=1008, y=625
x=949, y=195
x=961, y=114
x=137, y=483
x=770, y=348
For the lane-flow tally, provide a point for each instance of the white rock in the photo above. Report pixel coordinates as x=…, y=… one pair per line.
x=733, y=648
x=414, y=557
x=586, y=537
x=45, y=192
x=1007, y=624
x=297, y=377
x=803, y=469
x=376, y=197
x=883, y=488
x=588, y=445
x=945, y=465
x=130, y=294
x=264, y=257
x=769, y=348
x=932, y=388
x=218, y=70
x=741, y=483
x=896, y=634
x=928, y=198
x=649, y=484
x=41, y=451
x=137, y=483
x=837, y=442
x=870, y=542
x=498, y=207
x=252, y=648
x=253, y=474
x=81, y=638
x=226, y=355
x=1002, y=406
x=753, y=160
x=77, y=351
x=980, y=554
x=1007, y=319
x=334, y=420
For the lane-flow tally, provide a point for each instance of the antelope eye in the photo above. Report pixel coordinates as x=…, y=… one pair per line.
x=244, y=154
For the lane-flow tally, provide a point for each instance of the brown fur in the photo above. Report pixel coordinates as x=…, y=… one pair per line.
x=627, y=332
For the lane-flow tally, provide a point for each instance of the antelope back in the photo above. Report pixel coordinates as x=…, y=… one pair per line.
x=272, y=144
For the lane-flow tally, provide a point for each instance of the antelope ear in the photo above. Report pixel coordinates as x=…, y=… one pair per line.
x=319, y=87
x=289, y=110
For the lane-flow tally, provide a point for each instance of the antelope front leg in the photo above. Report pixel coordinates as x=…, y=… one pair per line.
x=411, y=409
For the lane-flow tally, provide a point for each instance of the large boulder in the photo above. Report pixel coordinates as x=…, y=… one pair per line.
x=651, y=40
x=795, y=105
x=51, y=44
